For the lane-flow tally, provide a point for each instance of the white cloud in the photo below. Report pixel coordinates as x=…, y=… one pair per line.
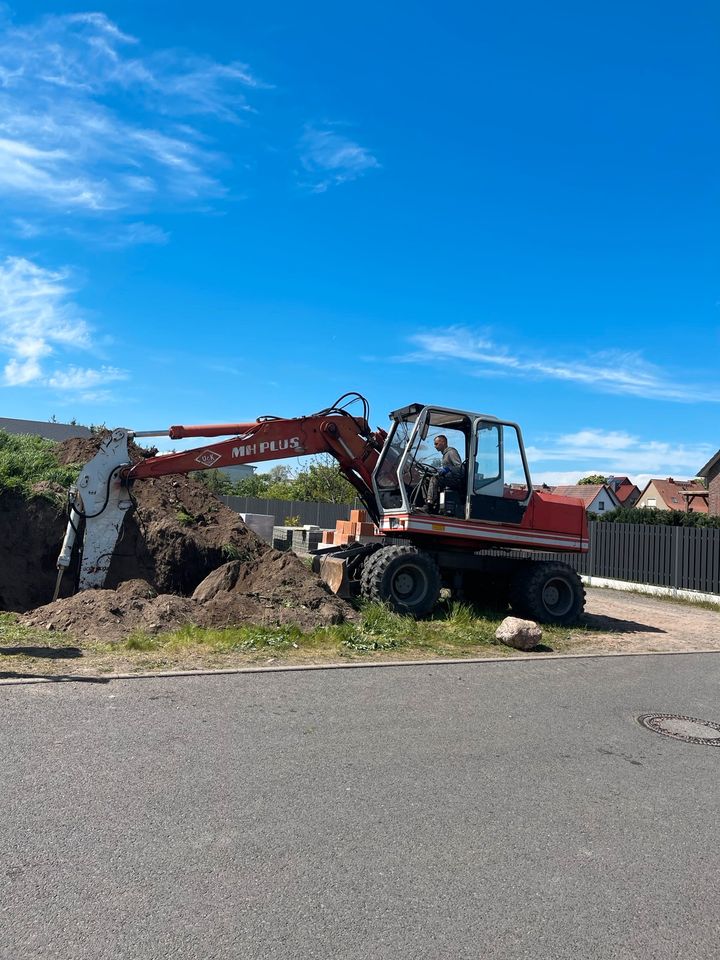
x=80, y=379
x=331, y=158
x=65, y=148
x=38, y=320
x=616, y=453
x=623, y=373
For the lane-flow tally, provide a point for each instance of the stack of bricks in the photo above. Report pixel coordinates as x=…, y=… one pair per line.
x=305, y=539
x=355, y=530
x=298, y=539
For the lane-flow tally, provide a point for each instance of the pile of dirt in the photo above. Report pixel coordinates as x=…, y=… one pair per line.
x=183, y=557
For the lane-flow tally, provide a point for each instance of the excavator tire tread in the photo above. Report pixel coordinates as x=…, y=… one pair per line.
x=548, y=592
x=405, y=578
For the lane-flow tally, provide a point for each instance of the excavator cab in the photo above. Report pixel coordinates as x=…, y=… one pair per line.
x=493, y=483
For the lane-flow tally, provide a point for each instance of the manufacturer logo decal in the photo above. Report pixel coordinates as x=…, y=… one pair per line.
x=266, y=446
x=208, y=458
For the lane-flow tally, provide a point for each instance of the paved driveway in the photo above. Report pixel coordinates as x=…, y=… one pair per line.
x=495, y=810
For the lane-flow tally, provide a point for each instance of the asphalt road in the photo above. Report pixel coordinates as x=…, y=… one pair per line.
x=495, y=810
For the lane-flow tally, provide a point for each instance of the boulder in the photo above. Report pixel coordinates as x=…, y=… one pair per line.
x=520, y=634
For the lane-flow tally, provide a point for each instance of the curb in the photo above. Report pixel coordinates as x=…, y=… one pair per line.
x=292, y=668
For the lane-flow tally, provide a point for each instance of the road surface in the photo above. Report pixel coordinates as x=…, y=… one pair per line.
x=493, y=810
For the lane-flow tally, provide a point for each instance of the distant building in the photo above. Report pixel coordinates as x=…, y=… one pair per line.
x=238, y=472
x=711, y=474
x=41, y=428
x=625, y=490
x=597, y=497
x=669, y=494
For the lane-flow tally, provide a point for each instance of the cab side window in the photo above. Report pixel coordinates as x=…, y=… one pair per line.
x=487, y=467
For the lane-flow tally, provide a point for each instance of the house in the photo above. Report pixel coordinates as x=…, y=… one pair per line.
x=625, y=490
x=41, y=428
x=597, y=497
x=711, y=475
x=685, y=495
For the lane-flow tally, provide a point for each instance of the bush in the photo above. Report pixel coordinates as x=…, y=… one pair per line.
x=651, y=517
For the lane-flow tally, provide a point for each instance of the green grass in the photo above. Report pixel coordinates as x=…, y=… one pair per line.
x=26, y=460
x=456, y=631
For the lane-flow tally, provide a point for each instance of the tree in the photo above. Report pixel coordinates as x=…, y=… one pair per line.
x=322, y=482
x=593, y=478
x=214, y=480
x=253, y=485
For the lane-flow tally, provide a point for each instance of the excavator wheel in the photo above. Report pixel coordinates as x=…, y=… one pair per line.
x=547, y=592
x=404, y=578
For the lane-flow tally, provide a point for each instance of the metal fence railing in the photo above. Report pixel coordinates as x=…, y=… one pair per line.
x=684, y=558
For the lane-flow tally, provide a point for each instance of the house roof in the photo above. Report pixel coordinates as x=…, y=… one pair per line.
x=626, y=490
x=586, y=492
x=39, y=428
x=704, y=471
x=671, y=493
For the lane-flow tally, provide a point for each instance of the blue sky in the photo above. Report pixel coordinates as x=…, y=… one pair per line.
x=212, y=213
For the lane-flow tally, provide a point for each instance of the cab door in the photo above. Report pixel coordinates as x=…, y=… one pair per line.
x=499, y=483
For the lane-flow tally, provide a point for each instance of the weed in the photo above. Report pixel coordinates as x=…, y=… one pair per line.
x=230, y=551
x=142, y=641
x=380, y=629
x=184, y=518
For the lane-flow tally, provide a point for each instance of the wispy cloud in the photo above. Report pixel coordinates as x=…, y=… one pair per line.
x=39, y=323
x=593, y=450
x=90, y=124
x=329, y=158
x=617, y=372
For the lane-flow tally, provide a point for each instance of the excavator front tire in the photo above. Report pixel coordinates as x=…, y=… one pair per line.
x=404, y=578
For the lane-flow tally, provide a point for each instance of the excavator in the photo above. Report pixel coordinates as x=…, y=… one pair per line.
x=480, y=538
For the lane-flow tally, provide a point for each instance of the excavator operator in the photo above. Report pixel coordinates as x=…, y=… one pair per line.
x=450, y=475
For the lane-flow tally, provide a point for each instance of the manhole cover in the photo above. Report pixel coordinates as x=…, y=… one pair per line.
x=689, y=729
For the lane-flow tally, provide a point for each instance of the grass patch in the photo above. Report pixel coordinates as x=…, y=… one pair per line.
x=14, y=634
x=455, y=631
x=26, y=460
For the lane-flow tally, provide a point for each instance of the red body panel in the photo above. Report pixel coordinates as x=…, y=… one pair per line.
x=550, y=524
x=559, y=514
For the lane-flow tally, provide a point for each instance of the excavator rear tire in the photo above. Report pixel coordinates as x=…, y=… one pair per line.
x=404, y=578
x=547, y=592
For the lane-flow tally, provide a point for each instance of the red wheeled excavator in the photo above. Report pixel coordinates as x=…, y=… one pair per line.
x=476, y=540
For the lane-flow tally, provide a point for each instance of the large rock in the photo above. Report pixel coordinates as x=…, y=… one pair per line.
x=520, y=634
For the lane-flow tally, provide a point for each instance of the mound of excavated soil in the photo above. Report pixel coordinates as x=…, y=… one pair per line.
x=183, y=557
x=272, y=590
